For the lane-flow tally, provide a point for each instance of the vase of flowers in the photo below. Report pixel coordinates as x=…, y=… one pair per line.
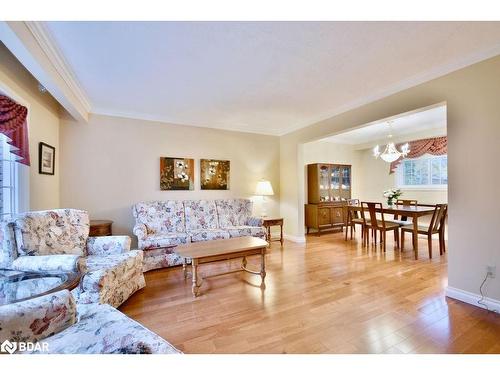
x=392, y=195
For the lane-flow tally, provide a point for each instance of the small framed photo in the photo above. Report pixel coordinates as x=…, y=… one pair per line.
x=46, y=158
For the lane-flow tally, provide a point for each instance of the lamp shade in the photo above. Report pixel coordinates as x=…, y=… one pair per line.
x=264, y=187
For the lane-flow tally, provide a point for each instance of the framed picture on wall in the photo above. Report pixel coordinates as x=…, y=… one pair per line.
x=176, y=174
x=46, y=158
x=214, y=174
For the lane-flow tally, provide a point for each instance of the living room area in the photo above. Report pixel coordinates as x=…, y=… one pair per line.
x=249, y=187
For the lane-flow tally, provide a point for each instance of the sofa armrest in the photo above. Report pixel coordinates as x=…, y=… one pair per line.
x=59, y=262
x=140, y=231
x=8, y=251
x=106, y=245
x=255, y=221
x=37, y=318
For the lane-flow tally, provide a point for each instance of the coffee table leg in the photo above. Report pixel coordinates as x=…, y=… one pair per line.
x=184, y=268
x=263, y=267
x=195, y=277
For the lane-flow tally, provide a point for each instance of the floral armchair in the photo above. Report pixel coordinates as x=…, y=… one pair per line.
x=59, y=240
x=61, y=326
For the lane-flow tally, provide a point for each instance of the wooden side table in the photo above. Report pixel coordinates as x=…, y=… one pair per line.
x=100, y=228
x=268, y=223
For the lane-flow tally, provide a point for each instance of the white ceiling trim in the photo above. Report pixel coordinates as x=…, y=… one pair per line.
x=164, y=120
x=403, y=85
x=42, y=36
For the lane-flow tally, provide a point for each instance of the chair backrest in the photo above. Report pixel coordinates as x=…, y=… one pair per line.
x=353, y=202
x=405, y=202
x=372, y=208
x=438, y=218
x=51, y=232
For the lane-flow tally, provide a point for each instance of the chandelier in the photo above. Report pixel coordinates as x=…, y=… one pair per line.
x=391, y=153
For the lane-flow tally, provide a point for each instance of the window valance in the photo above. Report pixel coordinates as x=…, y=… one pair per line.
x=432, y=146
x=13, y=124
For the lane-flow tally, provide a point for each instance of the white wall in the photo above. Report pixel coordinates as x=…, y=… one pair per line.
x=111, y=163
x=43, y=126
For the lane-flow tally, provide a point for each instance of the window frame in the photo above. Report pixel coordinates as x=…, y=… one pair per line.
x=399, y=175
x=14, y=178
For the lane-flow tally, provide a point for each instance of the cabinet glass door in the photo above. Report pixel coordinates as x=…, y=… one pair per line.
x=346, y=182
x=324, y=182
x=335, y=183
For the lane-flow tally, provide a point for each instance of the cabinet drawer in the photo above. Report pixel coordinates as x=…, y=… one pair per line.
x=337, y=215
x=324, y=216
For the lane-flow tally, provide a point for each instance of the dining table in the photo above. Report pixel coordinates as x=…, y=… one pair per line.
x=413, y=211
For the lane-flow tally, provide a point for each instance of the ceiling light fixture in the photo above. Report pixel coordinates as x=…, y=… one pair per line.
x=391, y=153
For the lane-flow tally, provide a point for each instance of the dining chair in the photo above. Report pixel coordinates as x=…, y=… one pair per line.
x=436, y=226
x=404, y=219
x=377, y=224
x=353, y=218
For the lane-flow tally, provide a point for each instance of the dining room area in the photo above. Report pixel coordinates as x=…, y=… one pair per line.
x=382, y=185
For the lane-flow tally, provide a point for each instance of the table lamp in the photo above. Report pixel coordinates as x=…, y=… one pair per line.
x=264, y=188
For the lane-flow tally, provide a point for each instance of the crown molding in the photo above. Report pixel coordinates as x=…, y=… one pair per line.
x=162, y=119
x=56, y=58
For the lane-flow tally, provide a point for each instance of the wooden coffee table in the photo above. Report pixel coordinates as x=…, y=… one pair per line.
x=217, y=250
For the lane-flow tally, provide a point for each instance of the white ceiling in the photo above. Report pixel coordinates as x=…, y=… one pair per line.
x=264, y=77
x=430, y=120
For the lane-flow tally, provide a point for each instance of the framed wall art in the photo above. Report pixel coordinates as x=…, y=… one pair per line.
x=214, y=174
x=176, y=173
x=46, y=159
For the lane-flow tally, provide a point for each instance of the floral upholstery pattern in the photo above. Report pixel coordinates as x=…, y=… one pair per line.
x=208, y=234
x=63, y=231
x=204, y=220
x=8, y=250
x=37, y=318
x=160, y=258
x=111, y=272
x=245, y=230
x=101, y=329
x=233, y=212
x=107, y=245
x=15, y=291
x=160, y=216
x=164, y=240
x=64, y=263
x=111, y=278
x=200, y=214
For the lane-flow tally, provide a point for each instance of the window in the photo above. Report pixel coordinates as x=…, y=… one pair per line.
x=426, y=172
x=8, y=180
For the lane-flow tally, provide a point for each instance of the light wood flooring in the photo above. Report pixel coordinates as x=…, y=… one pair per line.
x=325, y=296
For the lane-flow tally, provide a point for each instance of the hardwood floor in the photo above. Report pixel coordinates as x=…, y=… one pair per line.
x=326, y=296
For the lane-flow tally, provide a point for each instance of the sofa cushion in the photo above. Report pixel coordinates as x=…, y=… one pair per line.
x=233, y=212
x=200, y=214
x=161, y=216
x=63, y=231
x=245, y=230
x=208, y=234
x=102, y=329
x=156, y=241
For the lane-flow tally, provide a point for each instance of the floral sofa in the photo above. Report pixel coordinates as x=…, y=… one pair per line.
x=59, y=240
x=162, y=225
x=59, y=325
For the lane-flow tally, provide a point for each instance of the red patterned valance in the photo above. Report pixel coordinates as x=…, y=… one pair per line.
x=13, y=125
x=433, y=146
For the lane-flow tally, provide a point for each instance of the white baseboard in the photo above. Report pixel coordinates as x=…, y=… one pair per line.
x=472, y=298
x=297, y=239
